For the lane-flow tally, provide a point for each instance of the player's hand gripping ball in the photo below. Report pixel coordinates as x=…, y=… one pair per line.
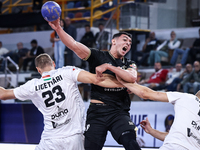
x=51, y=11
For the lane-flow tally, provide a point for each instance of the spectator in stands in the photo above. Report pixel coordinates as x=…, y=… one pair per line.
x=37, y=5
x=88, y=37
x=101, y=38
x=59, y=48
x=71, y=30
x=175, y=85
x=156, y=78
x=171, y=75
x=177, y=52
x=85, y=3
x=16, y=55
x=151, y=43
x=87, y=40
x=195, y=49
x=30, y=57
x=193, y=80
x=163, y=49
x=52, y=36
x=3, y=50
x=20, y=52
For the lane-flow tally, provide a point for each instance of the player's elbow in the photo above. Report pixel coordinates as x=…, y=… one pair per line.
x=77, y=47
x=132, y=75
x=133, y=79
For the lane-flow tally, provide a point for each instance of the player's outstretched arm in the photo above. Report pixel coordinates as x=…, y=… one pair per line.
x=129, y=75
x=145, y=124
x=6, y=94
x=81, y=50
x=105, y=81
x=144, y=92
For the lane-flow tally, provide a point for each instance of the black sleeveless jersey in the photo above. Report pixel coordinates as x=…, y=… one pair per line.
x=117, y=97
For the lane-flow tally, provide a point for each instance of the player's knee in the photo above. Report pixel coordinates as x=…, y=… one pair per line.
x=128, y=140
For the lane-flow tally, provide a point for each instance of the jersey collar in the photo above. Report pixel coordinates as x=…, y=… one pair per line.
x=115, y=58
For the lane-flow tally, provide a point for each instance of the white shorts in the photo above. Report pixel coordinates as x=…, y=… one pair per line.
x=75, y=142
x=172, y=146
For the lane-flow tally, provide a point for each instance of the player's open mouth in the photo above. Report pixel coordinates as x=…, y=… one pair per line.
x=125, y=48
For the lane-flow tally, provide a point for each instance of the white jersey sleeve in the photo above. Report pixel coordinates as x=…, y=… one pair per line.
x=25, y=91
x=174, y=96
x=57, y=97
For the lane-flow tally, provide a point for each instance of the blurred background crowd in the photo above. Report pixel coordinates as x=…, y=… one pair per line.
x=166, y=38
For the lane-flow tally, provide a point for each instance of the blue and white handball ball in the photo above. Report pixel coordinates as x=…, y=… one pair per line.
x=51, y=11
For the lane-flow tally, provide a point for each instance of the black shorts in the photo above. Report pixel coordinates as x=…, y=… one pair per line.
x=102, y=118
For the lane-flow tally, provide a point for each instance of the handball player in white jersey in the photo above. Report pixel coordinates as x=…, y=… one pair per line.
x=57, y=97
x=184, y=133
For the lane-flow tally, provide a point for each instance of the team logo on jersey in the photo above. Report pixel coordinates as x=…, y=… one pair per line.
x=114, y=89
x=191, y=134
x=87, y=127
x=57, y=125
x=46, y=78
x=131, y=123
x=195, y=125
x=60, y=114
x=133, y=66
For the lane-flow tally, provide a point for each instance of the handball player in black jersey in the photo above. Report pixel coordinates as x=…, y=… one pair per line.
x=109, y=107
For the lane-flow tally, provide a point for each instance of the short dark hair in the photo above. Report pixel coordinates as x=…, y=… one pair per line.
x=34, y=41
x=100, y=24
x=43, y=60
x=120, y=33
x=87, y=25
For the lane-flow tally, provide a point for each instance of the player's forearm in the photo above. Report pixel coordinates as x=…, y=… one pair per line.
x=81, y=50
x=146, y=93
x=139, y=90
x=123, y=74
x=158, y=134
x=110, y=82
x=66, y=38
x=2, y=90
x=6, y=94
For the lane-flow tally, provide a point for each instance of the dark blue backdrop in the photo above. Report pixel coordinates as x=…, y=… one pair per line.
x=20, y=123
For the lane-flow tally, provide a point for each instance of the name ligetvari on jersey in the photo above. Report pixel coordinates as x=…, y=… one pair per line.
x=48, y=84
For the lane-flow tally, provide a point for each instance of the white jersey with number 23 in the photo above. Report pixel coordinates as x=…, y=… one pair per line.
x=57, y=97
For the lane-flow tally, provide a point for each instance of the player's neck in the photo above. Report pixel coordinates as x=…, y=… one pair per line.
x=47, y=69
x=114, y=54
